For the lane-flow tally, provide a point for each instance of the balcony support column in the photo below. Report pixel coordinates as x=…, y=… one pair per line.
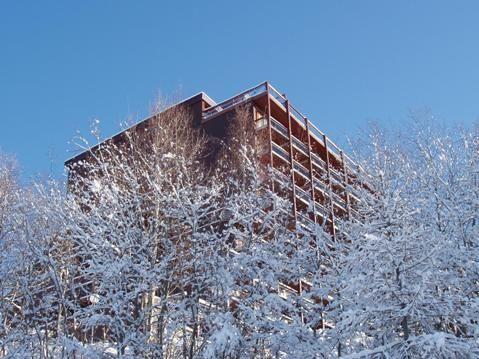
x=346, y=191
x=290, y=135
x=270, y=134
x=311, y=178
x=328, y=170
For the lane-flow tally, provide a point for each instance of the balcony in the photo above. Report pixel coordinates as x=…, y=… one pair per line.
x=336, y=176
x=303, y=195
x=300, y=146
x=301, y=170
x=277, y=126
x=280, y=152
x=296, y=115
x=321, y=211
x=281, y=178
x=338, y=201
x=321, y=186
x=343, y=172
x=317, y=161
x=305, y=222
x=234, y=101
x=260, y=123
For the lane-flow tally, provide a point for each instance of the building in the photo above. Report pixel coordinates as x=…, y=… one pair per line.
x=320, y=176
x=306, y=166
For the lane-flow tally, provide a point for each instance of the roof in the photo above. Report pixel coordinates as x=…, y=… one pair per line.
x=201, y=96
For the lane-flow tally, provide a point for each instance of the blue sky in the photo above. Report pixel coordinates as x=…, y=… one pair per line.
x=342, y=63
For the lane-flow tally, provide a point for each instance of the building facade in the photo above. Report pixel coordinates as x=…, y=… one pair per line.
x=319, y=176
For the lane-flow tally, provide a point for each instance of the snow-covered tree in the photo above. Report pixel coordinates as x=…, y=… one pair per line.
x=266, y=313
x=34, y=263
x=408, y=283
x=144, y=210
x=168, y=245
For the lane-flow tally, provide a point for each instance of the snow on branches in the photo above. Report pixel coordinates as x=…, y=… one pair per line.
x=153, y=251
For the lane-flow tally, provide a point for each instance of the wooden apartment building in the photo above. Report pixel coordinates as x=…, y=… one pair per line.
x=319, y=175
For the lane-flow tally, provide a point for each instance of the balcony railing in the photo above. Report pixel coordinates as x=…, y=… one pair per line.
x=339, y=201
x=276, y=125
x=280, y=152
x=321, y=210
x=306, y=197
x=280, y=177
x=300, y=145
x=322, y=186
x=301, y=169
x=336, y=176
x=277, y=96
x=318, y=161
x=317, y=134
x=234, y=101
x=305, y=221
x=260, y=123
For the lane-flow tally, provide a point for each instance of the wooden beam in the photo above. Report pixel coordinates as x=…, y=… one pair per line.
x=328, y=164
x=311, y=177
x=290, y=135
x=346, y=191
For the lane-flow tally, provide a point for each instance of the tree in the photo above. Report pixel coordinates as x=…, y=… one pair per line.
x=404, y=288
x=181, y=259
x=158, y=251
x=35, y=262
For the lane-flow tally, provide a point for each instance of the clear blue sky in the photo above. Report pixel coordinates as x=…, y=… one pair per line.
x=342, y=63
